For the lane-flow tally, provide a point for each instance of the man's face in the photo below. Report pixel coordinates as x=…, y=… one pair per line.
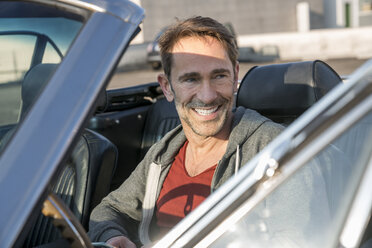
x=202, y=84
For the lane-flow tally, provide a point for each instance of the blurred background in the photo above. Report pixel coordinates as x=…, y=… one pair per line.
x=267, y=31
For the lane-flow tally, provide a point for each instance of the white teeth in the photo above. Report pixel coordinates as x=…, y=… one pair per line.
x=206, y=111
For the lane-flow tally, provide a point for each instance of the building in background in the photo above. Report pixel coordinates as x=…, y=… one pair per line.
x=348, y=13
x=258, y=17
x=246, y=16
x=299, y=29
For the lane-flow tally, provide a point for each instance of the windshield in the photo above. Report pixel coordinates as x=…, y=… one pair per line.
x=308, y=210
x=30, y=35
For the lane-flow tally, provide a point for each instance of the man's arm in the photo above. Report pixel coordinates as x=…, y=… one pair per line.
x=120, y=212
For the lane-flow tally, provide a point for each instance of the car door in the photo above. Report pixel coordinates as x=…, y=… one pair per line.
x=43, y=139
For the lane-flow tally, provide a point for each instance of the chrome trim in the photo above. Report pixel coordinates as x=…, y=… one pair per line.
x=112, y=7
x=360, y=212
x=73, y=7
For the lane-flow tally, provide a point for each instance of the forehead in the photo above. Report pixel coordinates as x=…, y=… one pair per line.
x=199, y=45
x=199, y=53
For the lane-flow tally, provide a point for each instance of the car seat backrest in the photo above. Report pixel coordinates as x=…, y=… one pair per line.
x=36, y=79
x=282, y=92
x=86, y=176
x=30, y=89
x=161, y=118
x=33, y=84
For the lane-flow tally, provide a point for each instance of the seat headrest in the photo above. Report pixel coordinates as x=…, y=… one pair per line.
x=282, y=92
x=33, y=83
x=35, y=80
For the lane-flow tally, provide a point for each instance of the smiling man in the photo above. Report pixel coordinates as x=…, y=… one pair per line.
x=202, y=83
x=214, y=140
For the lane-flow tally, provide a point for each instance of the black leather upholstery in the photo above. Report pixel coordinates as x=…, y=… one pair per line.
x=101, y=167
x=82, y=183
x=32, y=86
x=282, y=92
x=85, y=178
x=161, y=118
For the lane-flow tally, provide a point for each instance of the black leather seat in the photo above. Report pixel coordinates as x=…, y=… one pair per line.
x=161, y=118
x=282, y=92
x=85, y=179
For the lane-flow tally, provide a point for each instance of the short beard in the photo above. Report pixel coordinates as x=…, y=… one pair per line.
x=224, y=119
x=221, y=102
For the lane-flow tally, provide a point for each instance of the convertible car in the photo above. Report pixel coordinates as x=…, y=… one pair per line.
x=66, y=141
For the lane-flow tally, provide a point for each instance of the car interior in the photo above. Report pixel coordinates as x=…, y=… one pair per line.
x=86, y=176
x=128, y=121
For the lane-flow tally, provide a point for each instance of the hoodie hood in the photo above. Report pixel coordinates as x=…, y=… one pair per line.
x=245, y=122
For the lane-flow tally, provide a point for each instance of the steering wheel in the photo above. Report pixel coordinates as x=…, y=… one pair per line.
x=66, y=222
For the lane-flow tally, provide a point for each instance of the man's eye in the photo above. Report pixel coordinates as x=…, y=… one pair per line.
x=220, y=76
x=190, y=80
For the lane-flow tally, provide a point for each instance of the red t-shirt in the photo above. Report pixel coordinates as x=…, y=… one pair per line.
x=180, y=193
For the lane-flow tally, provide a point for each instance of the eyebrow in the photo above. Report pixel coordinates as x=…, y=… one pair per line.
x=196, y=74
x=221, y=70
x=188, y=75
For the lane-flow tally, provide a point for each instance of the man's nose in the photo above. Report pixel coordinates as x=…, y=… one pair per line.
x=207, y=93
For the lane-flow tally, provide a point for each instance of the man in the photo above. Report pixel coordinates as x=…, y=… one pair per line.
x=199, y=57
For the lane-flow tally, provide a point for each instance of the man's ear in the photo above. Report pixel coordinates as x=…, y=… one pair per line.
x=166, y=87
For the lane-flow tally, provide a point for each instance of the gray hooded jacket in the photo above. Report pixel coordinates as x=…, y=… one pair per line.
x=129, y=210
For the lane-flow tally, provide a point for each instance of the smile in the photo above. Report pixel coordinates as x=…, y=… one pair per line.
x=206, y=111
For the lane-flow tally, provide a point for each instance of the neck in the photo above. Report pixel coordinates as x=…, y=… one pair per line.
x=201, y=156
x=204, y=152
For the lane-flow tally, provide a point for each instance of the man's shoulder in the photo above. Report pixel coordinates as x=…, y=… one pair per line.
x=271, y=128
x=260, y=126
x=249, y=116
x=164, y=149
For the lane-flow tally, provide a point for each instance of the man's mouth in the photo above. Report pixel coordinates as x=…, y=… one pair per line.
x=206, y=112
